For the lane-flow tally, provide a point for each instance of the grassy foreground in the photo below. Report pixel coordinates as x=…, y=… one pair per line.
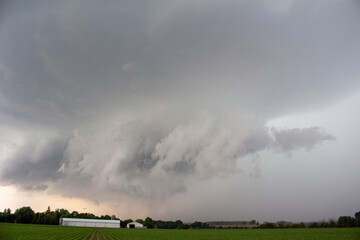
x=10, y=231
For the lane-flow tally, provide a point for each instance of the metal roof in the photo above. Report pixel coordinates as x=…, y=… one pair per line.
x=136, y=223
x=90, y=220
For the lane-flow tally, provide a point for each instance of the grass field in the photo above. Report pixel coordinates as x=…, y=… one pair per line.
x=28, y=232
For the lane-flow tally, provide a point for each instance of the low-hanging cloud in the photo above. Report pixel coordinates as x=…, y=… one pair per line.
x=138, y=159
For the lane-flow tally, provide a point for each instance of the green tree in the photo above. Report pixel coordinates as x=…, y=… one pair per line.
x=48, y=218
x=6, y=216
x=74, y=214
x=125, y=222
x=2, y=217
x=346, y=221
x=149, y=223
x=199, y=225
x=253, y=222
x=332, y=223
x=64, y=212
x=139, y=221
x=357, y=218
x=268, y=225
x=24, y=215
x=35, y=218
x=314, y=225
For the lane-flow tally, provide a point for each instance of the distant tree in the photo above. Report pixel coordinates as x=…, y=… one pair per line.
x=64, y=213
x=139, y=221
x=42, y=218
x=86, y=215
x=24, y=215
x=7, y=211
x=323, y=224
x=199, y=225
x=74, y=214
x=314, y=225
x=357, y=219
x=48, y=218
x=346, y=221
x=2, y=216
x=149, y=223
x=268, y=225
x=293, y=225
x=35, y=218
x=6, y=216
x=124, y=223
x=253, y=222
x=281, y=225
x=179, y=224
x=332, y=223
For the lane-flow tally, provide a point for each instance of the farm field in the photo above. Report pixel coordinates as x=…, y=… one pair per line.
x=29, y=231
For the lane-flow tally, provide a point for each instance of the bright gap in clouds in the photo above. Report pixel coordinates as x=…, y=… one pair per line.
x=323, y=178
x=336, y=119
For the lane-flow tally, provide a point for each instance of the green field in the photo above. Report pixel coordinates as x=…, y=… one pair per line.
x=28, y=231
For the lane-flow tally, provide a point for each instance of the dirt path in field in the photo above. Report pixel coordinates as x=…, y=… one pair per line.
x=83, y=236
x=107, y=237
x=91, y=235
x=101, y=235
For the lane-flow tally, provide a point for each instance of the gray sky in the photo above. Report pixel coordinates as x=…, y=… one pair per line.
x=192, y=110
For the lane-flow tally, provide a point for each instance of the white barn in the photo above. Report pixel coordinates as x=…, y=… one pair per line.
x=135, y=225
x=80, y=222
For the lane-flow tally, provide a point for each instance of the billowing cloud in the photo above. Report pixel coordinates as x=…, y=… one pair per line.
x=140, y=158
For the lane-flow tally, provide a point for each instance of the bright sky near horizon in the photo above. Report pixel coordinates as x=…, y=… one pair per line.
x=191, y=110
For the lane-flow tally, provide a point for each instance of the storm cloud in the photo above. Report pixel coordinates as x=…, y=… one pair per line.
x=145, y=98
x=138, y=158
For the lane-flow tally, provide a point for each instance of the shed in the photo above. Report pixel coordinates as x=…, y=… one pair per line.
x=81, y=222
x=135, y=225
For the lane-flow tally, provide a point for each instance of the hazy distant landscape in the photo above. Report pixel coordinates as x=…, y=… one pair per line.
x=26, y=215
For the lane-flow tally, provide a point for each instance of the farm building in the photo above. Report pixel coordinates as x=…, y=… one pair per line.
x=135, y=225
x=80, y=222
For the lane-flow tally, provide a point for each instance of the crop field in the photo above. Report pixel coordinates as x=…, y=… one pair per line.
x=23, y=231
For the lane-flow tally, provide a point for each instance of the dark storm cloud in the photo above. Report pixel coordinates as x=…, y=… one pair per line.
x=136, y=160
x=62, y=61
x=34, y=164
x=156, y=95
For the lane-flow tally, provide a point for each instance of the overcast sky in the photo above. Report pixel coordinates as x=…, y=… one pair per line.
x=191, y=110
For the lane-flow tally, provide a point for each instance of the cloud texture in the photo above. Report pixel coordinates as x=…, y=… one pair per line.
x=144, y=99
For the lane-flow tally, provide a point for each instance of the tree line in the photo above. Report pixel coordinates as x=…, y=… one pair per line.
x=27, y=215
x=343, y=221
x=178, y=224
